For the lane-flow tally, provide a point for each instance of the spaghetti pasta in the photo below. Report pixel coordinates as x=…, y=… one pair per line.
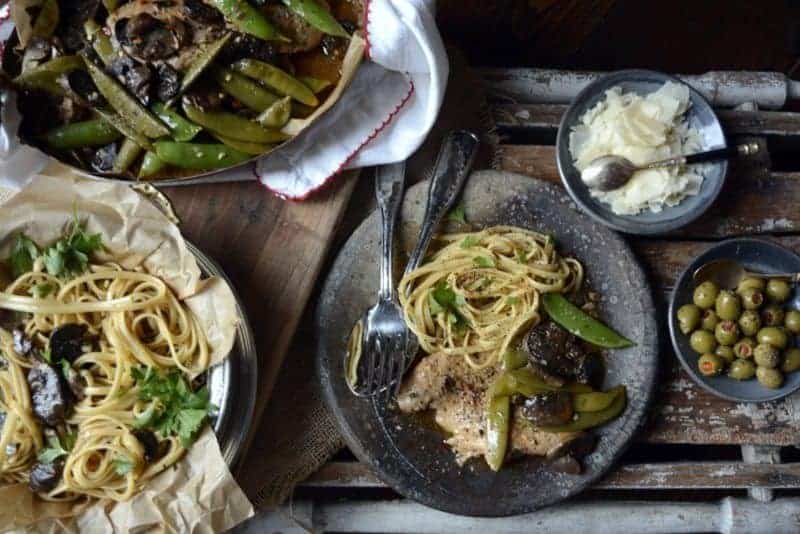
x=481, y=290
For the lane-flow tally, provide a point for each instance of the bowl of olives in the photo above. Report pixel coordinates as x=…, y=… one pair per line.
x=741, y=343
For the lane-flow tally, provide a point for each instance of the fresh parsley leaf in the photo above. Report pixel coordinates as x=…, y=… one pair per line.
x=522, y=256
x=175, y=410
x=46, y=356
x=70, y=254
x=69, y=440
x=484, y=262
x=40, y=291
x=52, y=452
x=469, y=241
x=23, y=254
x=434, y=306
x=122, y=465
x=450, y=301
x=457, y=214
x=511, y=300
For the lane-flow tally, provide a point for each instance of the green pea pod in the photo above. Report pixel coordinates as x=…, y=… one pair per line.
x=45, y=76
x=94, y=132
x=513, y=359
x=202, y=62
x=254, y=149
x=317, y=16
x=182, y=129
x=197, y=156
x=498, y=423
x=526, y=382
x=127, y=154
x=128, y=107
x=593, y=401
x=125, y=128
x=245, y=90
x=151, y=165
x=277, y=115
x=233, y=126
x=315, y=84
x=581, y=324
x=101, y=43
x=248, y=19
x=281, y=81
x=47, y=20
x=586, y=420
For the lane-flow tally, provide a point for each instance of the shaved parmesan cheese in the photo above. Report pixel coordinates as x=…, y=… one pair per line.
x=642, y=129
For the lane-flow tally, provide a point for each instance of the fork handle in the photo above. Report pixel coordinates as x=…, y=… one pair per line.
x=449, y=174
x=389, y=180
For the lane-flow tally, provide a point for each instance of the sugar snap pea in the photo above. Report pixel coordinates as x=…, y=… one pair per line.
x=526, y=382
x=281, y=81
x=44, y=76
x=47, y=20
x=277, y=115
x=202, y=62
x=317, y=16
x=248, y=19
x=233, y=126
x=581, y=324
x=126, y=105
x=151, y=164
x=125, y=128
x=593, y=401
x=585, y=420
x=245, y=90
x=101, y=43
x=498, y=422
x=94, y=132
x=127, y=154
x=315, y=84
x=181, y=128
x=198, y=156
x=513, y=359
x=247, y=147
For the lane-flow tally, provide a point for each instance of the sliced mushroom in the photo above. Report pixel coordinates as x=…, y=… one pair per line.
x=104, y=158
x=135, y=76
x=558, y=354
x=303, y=36
x=246, y=46
x=45, y=477
x=168, y=82
x=149, y=442
x=66, y=342
x=202, y=13
x=549, y=409
x=150, y=39
x=49, y=399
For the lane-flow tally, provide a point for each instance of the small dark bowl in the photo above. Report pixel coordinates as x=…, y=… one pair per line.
x=700, y=116
x=756, y=255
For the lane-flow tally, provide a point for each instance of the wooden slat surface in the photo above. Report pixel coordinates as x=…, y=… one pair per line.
x=661, y=476
x=273, y=251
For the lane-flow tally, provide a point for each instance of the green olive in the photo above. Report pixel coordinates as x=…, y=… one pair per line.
x=705, y=295
x=791, y=361
x=766, y=356
x=769, y=378
x=772, y=315
x=742, y=370
x=728, y=305
x=772, y=335
x=792, y=321
x=748, y=283
x=749, y=322
x=726, y=353
x=709, y=320
x=702, y=341
x=710, y=365
x=744, y=348
x=727, y=333
x=778, y=290
x=752, y=298
x=688, y=318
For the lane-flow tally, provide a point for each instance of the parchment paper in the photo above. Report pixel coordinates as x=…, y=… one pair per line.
x=198, y=494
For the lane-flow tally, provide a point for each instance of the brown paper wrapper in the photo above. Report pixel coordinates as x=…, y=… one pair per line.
x=199, y=493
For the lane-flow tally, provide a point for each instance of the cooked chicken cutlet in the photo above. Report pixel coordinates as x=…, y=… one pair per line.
x=457, y=394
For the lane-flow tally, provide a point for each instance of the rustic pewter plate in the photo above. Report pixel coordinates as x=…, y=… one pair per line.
x=757, y=255
x=408, y=453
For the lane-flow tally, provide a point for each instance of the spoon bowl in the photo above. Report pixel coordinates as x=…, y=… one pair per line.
x=727, y=274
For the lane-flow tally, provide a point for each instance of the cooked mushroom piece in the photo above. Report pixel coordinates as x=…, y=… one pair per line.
x=167, y=82
x=149, y=442
x=135, y=76
x=82, y=85
x=201, y=13
x=303, y=36
x=66, y=342
x=45, y=477
x=548, y=409
x=556, y=353
x=150, y=39
x=590, y=369
x=50, y=401
x=246, y=46
x=580, y=447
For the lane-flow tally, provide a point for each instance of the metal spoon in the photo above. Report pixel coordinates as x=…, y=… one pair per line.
x=387, y=346
x=728, y=273
x=607, y=173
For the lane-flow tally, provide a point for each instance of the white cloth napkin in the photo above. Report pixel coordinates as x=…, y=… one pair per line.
x=383, y=117
x=385, y=114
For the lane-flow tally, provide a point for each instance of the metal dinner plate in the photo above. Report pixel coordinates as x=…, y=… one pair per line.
x=233, y=383
x=408, y=453
x=700, y=116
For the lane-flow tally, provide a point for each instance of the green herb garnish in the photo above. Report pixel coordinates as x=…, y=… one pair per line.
x=122, y=465
x=522, y=256
x=175, y=409
x=469, y=241
x=451, y=302
x=55, y=449
x=457, y=214
x=483, y=262
x=23, y=254
x=40, y=291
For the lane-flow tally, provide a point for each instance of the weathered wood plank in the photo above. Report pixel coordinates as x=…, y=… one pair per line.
x=656, y=476
x=548, y=116
x=746, y=205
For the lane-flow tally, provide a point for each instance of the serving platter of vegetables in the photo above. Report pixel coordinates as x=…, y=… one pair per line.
x=156, y=89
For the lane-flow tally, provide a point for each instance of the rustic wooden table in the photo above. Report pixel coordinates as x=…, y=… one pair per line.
x=703, y=464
